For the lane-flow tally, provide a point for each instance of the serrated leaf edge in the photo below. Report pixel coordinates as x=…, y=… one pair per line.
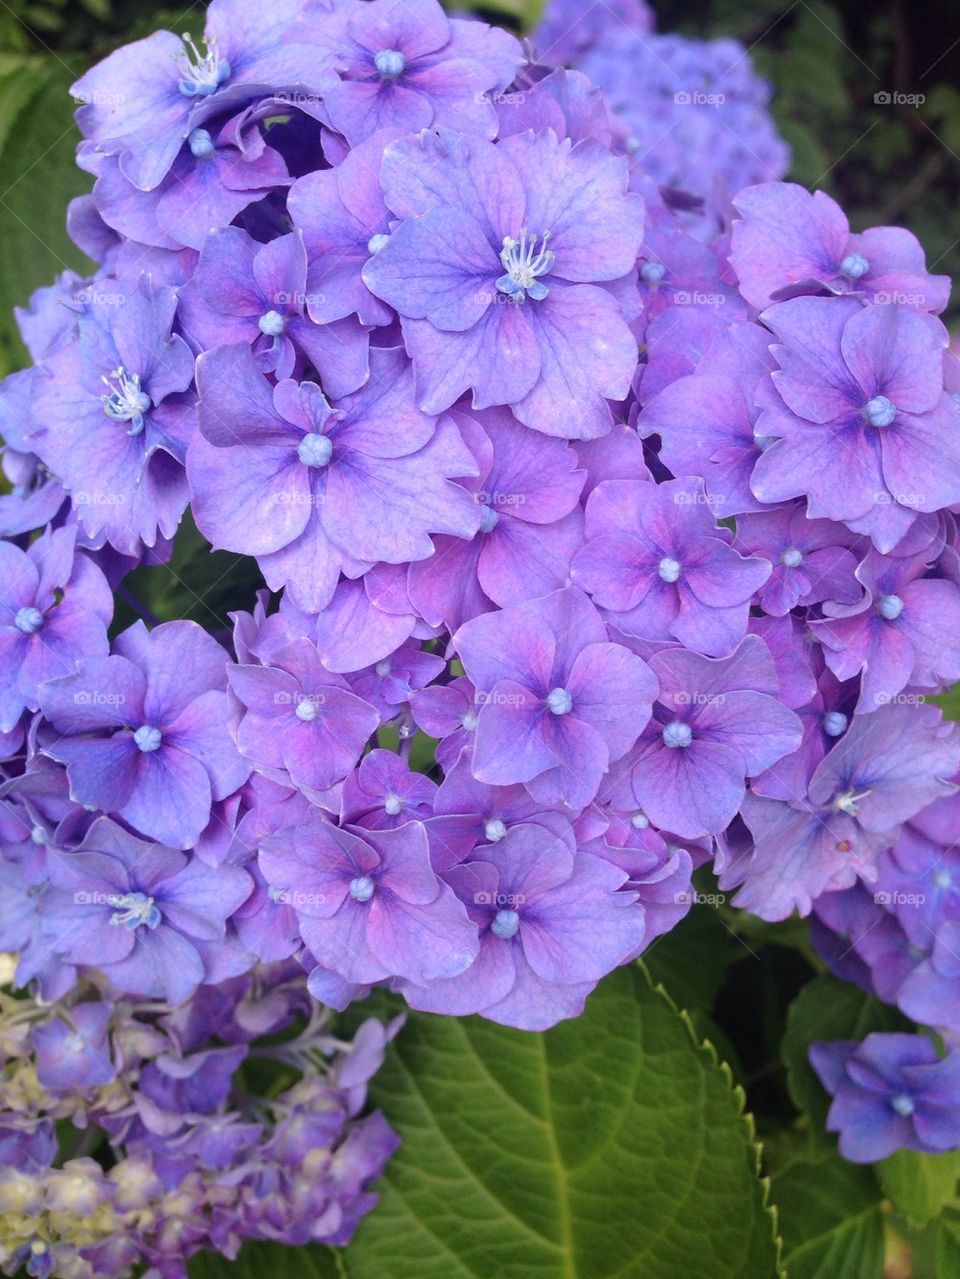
x=708, y=1050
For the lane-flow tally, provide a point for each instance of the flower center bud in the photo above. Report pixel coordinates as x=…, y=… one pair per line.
x=903, y=1104
x=669, y=569
x=559, y=701
x=390, y=63
x=376, y=243
x=835, y=723
x=28, y=620
x=505, y=924
x=306, y=710
x=494, y=830
x=854, y=266
x=362, y=888
x=879, y=411
x=677, y=735
x=393, y=804
x=148, y=738
x=271, y=324
x=315, y=450
x=942, y=879
x=890, y=607
x=523, y=264
x=791, y=557
x=201, y=144
x=652, y=272
x=639, y=821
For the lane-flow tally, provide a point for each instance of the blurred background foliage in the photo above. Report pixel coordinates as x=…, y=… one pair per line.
x=885, y=162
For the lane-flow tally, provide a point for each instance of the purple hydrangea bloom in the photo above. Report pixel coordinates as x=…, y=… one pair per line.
x=55, y=608
x=408, y=66
x=565, y=101
x=389, y=683
x=788, y=237
x=498, y=270
x=658, y=872
x=384, y=793
x=530, y=525
x=922, y=880
x=246, y=292
x=479, y=814
x=826, y=852
x=905, y=630
x=885, y=768
x=75, y=1053
x=825, y=709
x=551, y=924
x=140, y=912
x=353, y=631
x=142, y=732
x=706, y=419
x=301, y=725
x=369, y=904
x=890, y=1092
x=343, y=219
x=715, y=723
x=557, y=700
x=143, y=100
x=218, y=173
x=448, y=713
x=812, y=560
x=312, y=490
x=108, y=422
x=659, y=565
x=859, y=392
x=929, y=993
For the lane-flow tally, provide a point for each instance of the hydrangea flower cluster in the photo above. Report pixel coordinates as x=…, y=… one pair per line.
x=597, y=546
x=196, y=1160
x=693, y=113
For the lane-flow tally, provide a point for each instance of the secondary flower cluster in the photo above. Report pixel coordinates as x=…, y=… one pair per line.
x=595, y=549
x=693, y=113
x=899, y=940
x=194, y=1159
